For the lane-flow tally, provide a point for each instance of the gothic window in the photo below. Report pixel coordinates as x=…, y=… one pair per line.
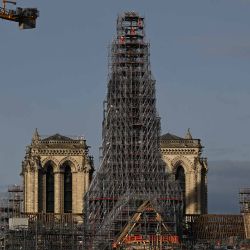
x=203, y=191
x=40, y=190
x=49, y=189
x=67, y=189
x=180, y=177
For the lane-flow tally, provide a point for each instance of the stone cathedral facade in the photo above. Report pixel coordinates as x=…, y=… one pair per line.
x=56, y=171
x=184, y=161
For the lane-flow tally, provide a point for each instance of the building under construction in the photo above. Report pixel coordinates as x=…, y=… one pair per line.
x=245, y=209
x=44, y=231
x=11, y=204
x=19, y=230
x=132, y=203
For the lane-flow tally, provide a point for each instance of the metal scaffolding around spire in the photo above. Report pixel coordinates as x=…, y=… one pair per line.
x=131, y=199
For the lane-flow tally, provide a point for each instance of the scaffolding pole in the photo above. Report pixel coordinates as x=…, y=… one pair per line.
x=244, y=199
x=46, y=231
x=131, y=170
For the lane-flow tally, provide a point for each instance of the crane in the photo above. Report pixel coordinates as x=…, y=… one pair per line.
x=26, y=17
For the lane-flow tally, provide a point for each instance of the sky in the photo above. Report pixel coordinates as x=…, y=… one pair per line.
x=54, y=78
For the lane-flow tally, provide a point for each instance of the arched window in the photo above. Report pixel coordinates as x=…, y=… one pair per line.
x=203, y=191
x=67, y=189
x=49, y=189
x=180, y=177
x=40, y=190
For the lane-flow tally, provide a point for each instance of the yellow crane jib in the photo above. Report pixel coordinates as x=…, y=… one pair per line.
x=26, y=17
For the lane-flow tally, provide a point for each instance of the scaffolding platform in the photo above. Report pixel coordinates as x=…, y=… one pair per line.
x=131, y=171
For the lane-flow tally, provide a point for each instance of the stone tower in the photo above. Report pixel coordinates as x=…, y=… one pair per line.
x=183, y=159
x=56, y=173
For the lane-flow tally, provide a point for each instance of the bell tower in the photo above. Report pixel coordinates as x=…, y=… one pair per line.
x=56, y=174
x=184, y=161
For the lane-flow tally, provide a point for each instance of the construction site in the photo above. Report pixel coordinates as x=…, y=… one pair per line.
x=131, y=202
x=131, y=195
x=145, y=228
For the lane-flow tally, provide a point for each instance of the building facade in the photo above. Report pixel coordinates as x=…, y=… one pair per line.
x=56, y=173
x=183, y=159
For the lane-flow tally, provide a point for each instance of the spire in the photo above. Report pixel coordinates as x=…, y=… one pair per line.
x=131, y=170
x=36, y=136
x=188, y=135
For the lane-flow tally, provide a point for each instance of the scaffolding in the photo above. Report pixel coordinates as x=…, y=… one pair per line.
x=214, y=227
x=4, y=210
x=38, y=231
x=46, y=231
x=15, y=200
x=244, y=199
x=11, y=203
x=131, y=171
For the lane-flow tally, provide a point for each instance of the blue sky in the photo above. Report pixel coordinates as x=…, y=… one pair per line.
x=54, y=78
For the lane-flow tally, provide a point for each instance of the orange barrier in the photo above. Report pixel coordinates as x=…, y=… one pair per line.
x=172, y=239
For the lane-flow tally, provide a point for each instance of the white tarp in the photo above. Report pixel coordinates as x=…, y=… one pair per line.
x=16, y=223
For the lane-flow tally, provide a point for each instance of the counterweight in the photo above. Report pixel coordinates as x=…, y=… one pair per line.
x=26, y=17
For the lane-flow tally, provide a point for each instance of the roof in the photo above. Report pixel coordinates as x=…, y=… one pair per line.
x=173, y=141
x=57, y=137
x=169, y=136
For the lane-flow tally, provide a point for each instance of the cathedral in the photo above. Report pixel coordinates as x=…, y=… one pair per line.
x=57, y=171
x=145, y=184
x=150, y=189
x=184, y=161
